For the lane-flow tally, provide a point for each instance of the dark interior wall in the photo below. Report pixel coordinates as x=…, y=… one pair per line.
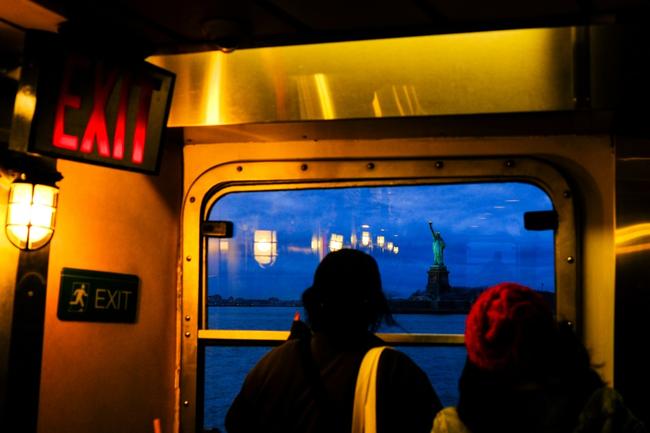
x=7, y=95
x=633, y=276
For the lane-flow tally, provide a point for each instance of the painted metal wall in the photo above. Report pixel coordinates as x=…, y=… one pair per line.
x=104, y=377
x=588, y=161
x=8, y=267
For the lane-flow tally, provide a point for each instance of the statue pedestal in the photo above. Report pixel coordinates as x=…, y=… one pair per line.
x=438, y=281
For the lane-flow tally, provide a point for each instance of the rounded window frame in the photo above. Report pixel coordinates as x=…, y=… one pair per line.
x=241, y=176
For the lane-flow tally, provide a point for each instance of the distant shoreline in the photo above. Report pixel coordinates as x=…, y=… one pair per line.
x=455, y=301
x=397, y=306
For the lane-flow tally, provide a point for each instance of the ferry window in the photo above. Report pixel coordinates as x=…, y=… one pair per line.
x=255, y=279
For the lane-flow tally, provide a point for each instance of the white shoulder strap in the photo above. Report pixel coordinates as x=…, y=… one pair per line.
x=364, y=412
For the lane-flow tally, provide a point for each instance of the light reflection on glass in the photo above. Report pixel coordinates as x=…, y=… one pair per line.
x=479, y=72
x=306, y=220
x=365, y=239
x=336, y=242
x=265, y=247
x=632, y=234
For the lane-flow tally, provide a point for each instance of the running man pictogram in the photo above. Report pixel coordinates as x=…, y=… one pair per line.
x=79, y=296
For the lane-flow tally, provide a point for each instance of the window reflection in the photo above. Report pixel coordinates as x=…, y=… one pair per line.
x=280, y=237
x=255, y=279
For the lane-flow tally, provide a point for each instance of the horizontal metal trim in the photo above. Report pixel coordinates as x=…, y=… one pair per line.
x=232, y=334
x=459, y=125
x=416, y=339
x=257, y=337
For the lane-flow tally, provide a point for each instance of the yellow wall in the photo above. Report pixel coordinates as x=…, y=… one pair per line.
x=101, y=377
x=8, y=266
x=587, y=161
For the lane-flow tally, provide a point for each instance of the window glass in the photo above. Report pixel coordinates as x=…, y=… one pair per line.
x=255, y=279
x=225, y=370
x=280, y=237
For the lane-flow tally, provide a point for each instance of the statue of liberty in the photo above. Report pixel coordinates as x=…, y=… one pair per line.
x=438, y=247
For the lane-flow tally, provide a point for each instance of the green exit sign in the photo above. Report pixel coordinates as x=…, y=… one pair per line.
x=92, y=296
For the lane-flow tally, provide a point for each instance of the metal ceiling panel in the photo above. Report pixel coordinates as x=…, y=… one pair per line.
x=355, y=15
x=170, y=26
x=484, y=72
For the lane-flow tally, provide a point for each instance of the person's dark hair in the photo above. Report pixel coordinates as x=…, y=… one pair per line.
x=524, y=372
x=346, y=296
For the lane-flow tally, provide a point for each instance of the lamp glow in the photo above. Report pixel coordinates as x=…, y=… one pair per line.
x=31, y=214
x=365, y=239
x=265, y=247
x=316, y=243
x=380, y=241
x=336, y=242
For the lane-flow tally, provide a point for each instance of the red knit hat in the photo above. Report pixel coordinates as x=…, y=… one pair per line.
x=508, y=326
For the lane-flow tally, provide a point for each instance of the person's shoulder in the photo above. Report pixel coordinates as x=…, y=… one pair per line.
x=282, y=355
x=288, y=348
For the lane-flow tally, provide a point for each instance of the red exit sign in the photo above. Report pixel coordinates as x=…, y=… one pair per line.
x=104, y=110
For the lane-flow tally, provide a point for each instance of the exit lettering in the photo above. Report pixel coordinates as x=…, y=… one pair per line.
x=105, y=80
x=106, y=299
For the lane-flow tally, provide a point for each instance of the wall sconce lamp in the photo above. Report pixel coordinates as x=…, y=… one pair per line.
x=31, y=213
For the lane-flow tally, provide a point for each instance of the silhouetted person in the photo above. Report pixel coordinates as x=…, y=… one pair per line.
x=307, y=384
x=526, y=373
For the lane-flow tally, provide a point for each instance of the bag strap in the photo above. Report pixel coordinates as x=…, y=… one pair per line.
x=364, y=412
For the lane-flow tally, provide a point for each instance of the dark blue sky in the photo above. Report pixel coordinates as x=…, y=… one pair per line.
x=482, y=226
